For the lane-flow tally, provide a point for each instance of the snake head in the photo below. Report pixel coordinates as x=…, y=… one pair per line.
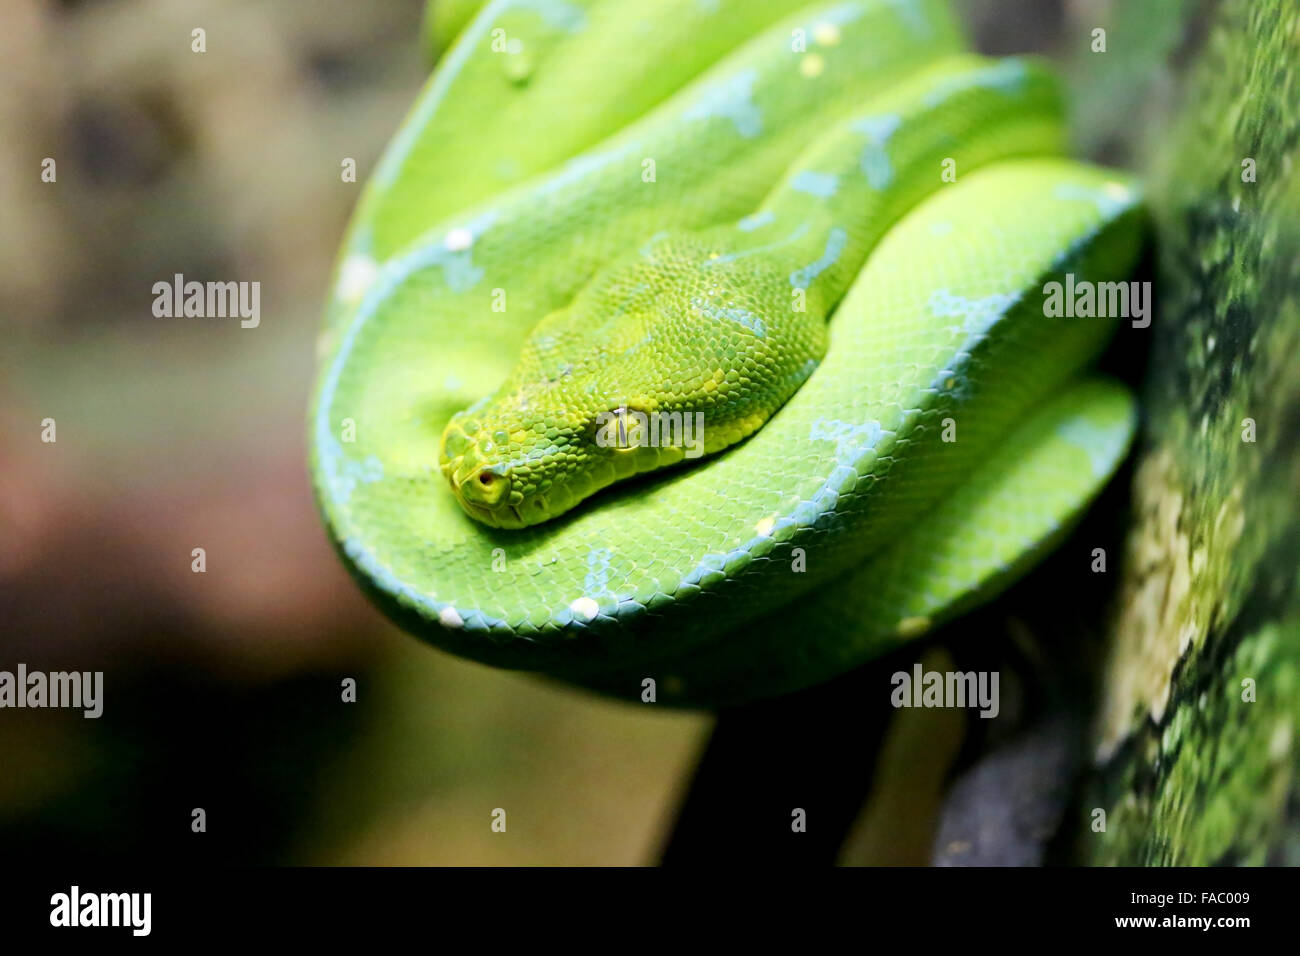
x=622, y=380
x=525, y=456
x=508, y=459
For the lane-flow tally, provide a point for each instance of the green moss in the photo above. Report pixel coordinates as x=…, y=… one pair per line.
x=1188, y=772
x=1211, y=786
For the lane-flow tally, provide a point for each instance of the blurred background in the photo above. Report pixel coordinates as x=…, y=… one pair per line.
x=223, y=689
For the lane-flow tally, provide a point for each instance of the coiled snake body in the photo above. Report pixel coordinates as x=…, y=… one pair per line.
x=822, y=232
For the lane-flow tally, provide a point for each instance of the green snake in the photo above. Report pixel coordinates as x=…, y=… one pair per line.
x=703, y=342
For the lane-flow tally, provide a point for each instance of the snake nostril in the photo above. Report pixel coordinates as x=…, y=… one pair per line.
x=486, y=487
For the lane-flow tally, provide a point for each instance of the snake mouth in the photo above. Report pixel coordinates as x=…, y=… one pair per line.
x=494, y=519
x=508, y=517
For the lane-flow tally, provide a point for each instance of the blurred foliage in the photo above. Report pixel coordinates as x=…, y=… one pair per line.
x=223, y=690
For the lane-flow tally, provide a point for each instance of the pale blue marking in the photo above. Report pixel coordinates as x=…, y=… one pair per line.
x=559, y=14
x=388, y=582
x=1102, y=445
x=844, y=14
x=852, y=441
x=804, y=372
x=357, y=472
x=1006, y=76
x=822, y=185
x=800, y=231
x=977, y=315
x=875, y=162
x=835, y=243
x=649, y=244
x=711, y=566
x=653, y=241
x=740, y=316
x=596, y=581
x=878, y=129
x=910, y=12
x=1107, y=204
x=851, y=438
x=458, y=269
x=731, y=99
x=756, y=221
x=576, y=170
x=876, y=167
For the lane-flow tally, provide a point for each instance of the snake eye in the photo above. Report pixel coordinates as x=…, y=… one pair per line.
x=621, y=429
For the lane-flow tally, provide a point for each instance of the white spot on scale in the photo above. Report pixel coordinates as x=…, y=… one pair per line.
x=812, y=65
x=448, y=618
x=765, y=526
x=1117, y=191
x=355, y=277
x=585, y=608
x=459, y=239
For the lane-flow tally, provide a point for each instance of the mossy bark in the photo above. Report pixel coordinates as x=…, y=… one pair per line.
x=1197, y=736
